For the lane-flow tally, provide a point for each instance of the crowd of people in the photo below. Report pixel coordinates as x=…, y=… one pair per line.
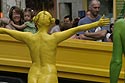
x=19, y=20
x=22, y=20
x=102, y=34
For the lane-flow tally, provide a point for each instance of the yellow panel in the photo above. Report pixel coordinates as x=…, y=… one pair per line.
x=85, y=5
x=76, y=59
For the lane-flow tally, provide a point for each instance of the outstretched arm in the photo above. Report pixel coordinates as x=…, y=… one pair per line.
x=60, y=36
x=20, y=27
x=21, y=36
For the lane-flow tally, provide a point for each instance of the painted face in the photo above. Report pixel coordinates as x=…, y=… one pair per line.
x=16, y=17
x=95, y=8
x=27, y=16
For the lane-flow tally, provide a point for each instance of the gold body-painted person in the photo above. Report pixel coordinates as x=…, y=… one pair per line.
x=42, y=46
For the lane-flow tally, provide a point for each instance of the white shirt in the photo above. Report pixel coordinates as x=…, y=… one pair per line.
x=56, y=28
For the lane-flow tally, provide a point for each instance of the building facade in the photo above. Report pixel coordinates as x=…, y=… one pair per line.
x=75, y=8
x=7, y=4
x=69, y=7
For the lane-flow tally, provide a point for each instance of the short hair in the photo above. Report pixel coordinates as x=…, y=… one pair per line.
x=75, y=22
x=57, y=22
x=68, y=16
x=92, y=1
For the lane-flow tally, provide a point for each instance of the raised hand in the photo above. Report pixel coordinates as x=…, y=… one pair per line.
x=103, y=21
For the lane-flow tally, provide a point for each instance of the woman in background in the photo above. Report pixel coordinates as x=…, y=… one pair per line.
x=15, y=15
x=28, y=25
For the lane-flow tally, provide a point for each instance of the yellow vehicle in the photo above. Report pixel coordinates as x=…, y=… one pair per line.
x=76, y=59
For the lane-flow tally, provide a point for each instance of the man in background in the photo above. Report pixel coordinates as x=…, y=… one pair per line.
x=67, y=23
x=98, y=33
x=56, y=28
